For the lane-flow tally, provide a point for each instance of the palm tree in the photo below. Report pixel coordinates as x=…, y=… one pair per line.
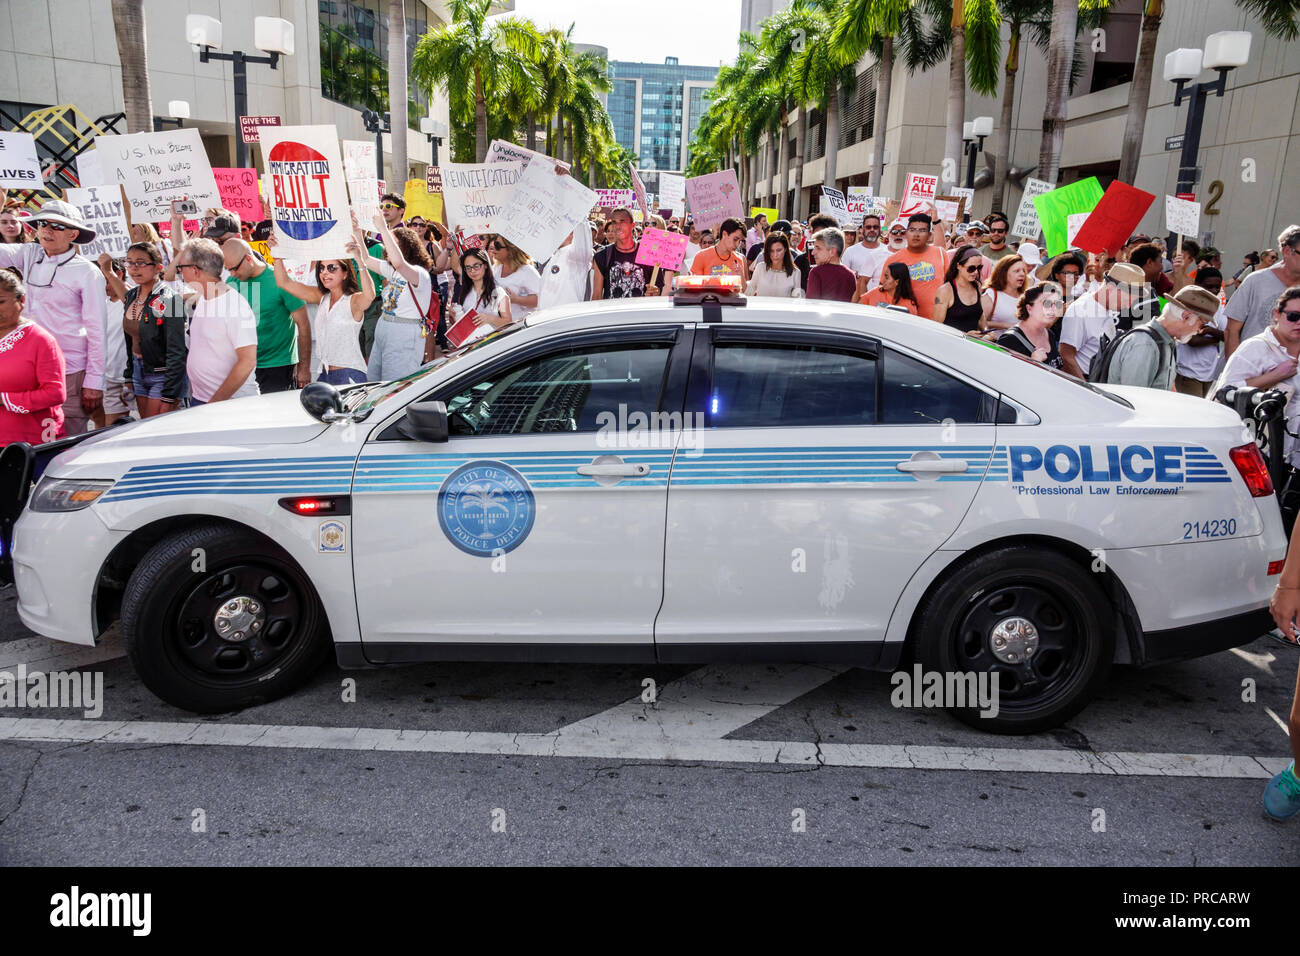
x=397, y=87
x=1277, y=17
x=1139, y=93
x=1060, y=63
x=979, y=22
x=475, y=60
x=128, y=25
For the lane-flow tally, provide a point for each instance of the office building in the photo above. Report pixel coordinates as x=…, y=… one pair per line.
x=655, y=108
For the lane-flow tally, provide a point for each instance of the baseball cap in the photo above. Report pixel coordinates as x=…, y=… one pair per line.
x=1030, y=253
x=221, y=227
x=977, y=224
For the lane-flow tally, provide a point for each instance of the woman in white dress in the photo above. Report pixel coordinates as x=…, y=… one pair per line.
x=514, y=271
x=342, y=301
x=774, y=273
x=488, y=303
x=1005, y=287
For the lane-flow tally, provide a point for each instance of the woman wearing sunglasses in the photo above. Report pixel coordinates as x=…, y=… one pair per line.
x=342, y=302
x=1034, y=334
x=515, y=272
x=153, y=326
x=959, y=302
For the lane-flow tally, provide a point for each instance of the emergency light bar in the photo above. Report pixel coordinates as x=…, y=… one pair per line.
x=694, y=290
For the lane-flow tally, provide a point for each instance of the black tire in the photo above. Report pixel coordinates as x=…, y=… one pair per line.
x=1070, y=613
x=170, y=621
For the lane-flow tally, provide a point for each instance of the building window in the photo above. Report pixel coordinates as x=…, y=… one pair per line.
x=354, y=54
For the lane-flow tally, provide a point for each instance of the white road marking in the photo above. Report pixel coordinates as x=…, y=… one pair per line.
x=1277, y=720
x=44, y=655
x=643, y=747
x=1261, y=662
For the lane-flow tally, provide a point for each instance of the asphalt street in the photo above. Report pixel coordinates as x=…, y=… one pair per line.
x=733, y=764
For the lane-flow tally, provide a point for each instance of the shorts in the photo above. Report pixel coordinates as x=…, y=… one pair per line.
x=118, y=400
x=1192, y=386
x=146, y=383
x=343, y=376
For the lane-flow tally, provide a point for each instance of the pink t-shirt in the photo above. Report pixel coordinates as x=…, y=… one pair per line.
x=218, y=327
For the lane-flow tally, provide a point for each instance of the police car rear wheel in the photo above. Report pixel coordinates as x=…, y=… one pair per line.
x=216, y=619
x=1033, y=618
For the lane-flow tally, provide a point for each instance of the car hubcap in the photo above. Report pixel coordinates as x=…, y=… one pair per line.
x=240, y=621
x=1014, y=640
x=239, y=618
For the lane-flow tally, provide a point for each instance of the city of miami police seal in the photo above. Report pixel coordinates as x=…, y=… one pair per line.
x=486, y=508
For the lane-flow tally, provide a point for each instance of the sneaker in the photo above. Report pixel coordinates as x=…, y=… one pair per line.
x=1282, y=795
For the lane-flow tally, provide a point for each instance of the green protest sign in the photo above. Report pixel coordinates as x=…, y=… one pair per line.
x=1056, y=206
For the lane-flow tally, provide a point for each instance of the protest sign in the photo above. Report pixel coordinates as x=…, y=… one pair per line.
x=859, y=200
x=19, y=167
x=89, y=172
x=714, y=197
x=249, y=127
x=1026, y=225
x=104, y=210
x=1114, y=219
x=1073, y=223
x=771, y=214
x=433, y=180
x=1182, y=217
x=420, y=202
x=238, y=190
x=962, y=192
x=638, y=187
x=499, y=151
x=950, y=208
x=309, y=198
x=362, y=176
x=1056, y=206
x=837, y=204
x=614, y=198
x=543, y=209
x=672, y=193
x=156, y=168
x=662, y=249
x=475, y=193
x=918, y=194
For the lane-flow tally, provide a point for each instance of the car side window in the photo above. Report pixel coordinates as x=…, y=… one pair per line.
x=914, y=393
x=562, y=391
x=791, y=384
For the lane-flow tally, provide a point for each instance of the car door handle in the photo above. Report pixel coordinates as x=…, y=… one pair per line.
x=933, y=466
x=614, y=470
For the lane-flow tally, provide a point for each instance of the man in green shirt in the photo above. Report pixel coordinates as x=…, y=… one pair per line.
x=997, y=245
x=283, y=331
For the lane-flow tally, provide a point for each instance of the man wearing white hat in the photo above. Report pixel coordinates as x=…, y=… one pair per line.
x=66, y=295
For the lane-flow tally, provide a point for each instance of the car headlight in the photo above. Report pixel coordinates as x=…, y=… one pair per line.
x=67, y=494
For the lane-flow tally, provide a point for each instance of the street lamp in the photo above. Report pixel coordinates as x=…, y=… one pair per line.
x=270, y=35
x=178, y=110
x=436, y=131
x=379, y=125
x=1223, y=52
x=972, y=135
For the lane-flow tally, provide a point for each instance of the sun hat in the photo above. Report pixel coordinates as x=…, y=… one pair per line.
x=56, y=210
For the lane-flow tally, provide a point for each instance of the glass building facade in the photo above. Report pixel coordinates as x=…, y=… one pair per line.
x=354, y=54
x=655, y=108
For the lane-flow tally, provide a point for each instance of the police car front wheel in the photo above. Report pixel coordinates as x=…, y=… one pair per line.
x=217, y=619
x=1031, y=624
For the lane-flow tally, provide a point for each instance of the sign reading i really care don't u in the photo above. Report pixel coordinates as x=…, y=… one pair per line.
x=309, y=197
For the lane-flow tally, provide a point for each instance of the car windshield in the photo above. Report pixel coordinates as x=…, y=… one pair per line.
x=364, y=398
x=1057, y=372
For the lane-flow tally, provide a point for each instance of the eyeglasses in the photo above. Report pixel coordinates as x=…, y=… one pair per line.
x=139, y=263
x=56, y=226
x=391, y=205
x=970, y=265
x=897, y=232
x=332, y=267
x=186, y=265
x=1052, y=302
x=1291, y=315
x=998, y=232
x=919, y=230
x=473, y=266
x=1073, y=273
x=496, y=247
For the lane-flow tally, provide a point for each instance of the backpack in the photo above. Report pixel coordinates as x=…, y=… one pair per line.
x=1099, y=370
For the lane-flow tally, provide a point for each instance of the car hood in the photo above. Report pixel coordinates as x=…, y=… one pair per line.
x=206, y=431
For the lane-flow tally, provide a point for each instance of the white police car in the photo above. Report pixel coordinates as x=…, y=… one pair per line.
x=648, y=480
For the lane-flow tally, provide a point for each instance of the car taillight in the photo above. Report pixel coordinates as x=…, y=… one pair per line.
x=1275, y=567
x=1253, y=468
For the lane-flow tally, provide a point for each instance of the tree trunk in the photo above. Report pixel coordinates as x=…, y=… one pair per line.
x=480, y=119
x=397, y=97
x=128, y=24
x=800, y=138
x=1060, y=60
x=783, y=166
x=952, y=140
x=773, y=139
x=1002, y=156
x=832, y=133
x=884, y=86
x=531, y=139
x=1139, y=94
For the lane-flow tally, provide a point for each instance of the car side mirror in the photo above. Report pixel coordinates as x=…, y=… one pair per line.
x=426, y=421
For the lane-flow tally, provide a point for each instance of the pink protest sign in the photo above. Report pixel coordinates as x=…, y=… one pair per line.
x=662, y=248
x=714, y=197
x=238, y=190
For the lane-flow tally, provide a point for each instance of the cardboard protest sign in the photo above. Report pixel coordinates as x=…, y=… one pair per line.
x=672, y=193
x=1073, y=223
x=638, y=187
x=1026, y=225
x=714, y=197
x=1056, y=206
x=1182, y=216
x=239, y=193
x=614, y=198
x=19, y=167
x=156, y=168
x=859, y=201
x=771, y=214
x=420, y=202
x=962, y=192
x=309, y=197
x=918, y=194
x=475, y=193
x=950, y=208
x=363, y=178
x=104, y=209
x=837, y=204
x=543, y=209
x=662, y=249
x=1114, y=219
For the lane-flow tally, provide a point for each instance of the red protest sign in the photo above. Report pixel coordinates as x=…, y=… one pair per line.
x=433, y=180
x=249, y=127
x=1114, y=219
